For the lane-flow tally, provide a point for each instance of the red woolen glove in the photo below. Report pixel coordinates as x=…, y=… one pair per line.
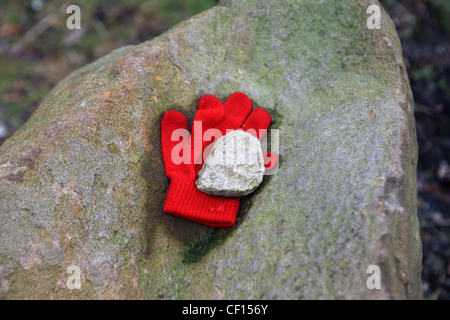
x=184, y=200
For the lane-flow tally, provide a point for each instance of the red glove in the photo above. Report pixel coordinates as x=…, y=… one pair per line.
x=184, y=200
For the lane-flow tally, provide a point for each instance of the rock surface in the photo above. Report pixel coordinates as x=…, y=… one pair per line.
x=234, y=168
x=82, y=183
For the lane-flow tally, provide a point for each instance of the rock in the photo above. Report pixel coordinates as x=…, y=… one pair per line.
x=82, y=183
x=234, y=168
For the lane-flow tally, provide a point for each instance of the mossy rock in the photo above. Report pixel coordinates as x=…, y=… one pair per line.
x=83, y=181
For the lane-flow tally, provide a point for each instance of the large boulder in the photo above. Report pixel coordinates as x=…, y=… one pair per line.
x=82, y=183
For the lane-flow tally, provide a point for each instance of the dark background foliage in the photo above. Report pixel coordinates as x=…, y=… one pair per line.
x=424, y=30
x=37, y=50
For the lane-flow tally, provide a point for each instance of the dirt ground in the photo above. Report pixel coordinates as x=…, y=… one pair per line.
x=37, y=50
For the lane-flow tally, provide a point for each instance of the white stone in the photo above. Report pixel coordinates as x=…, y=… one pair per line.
x=235, y=166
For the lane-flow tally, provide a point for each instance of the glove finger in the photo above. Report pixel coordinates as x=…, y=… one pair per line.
x=257, y=123
x=237, y=107
x=210, y=112
x=175, y=140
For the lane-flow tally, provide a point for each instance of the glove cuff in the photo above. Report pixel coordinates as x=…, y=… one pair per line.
x=184, y=200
